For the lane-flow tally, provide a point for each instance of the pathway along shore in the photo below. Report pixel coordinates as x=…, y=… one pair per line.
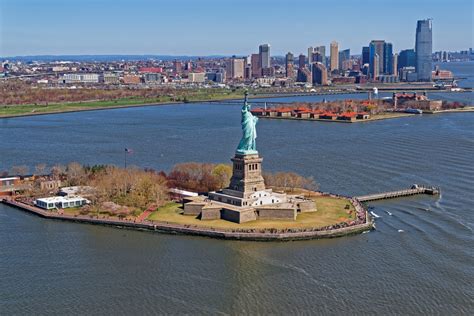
x=235, y=234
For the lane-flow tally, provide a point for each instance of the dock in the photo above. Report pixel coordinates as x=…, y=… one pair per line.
x=414, y=190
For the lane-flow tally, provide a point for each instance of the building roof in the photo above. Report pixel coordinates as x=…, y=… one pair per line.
x=57, y=199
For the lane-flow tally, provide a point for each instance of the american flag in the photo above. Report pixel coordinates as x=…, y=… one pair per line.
x=128, y=151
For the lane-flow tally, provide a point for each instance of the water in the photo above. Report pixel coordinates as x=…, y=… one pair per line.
x=418, y=261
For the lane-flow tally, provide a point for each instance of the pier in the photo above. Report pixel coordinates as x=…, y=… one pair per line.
x=414, y=190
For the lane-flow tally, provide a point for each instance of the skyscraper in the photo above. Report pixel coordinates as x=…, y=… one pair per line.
x=375, y=61
x=255, y=65
x=310, y=55
x=343, y=56
x=289, y=65
x=264, y=52
x=376, y=47
x=365, y=55
x=334, y=51
x=423, y=50
x=406, y=58
x=235, y=68
x=322, y=51
x=319, y=74
x=301, y=61
x=395, y=65
x=387, y=58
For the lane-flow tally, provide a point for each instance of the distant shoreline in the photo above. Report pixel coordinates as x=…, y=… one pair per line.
x=85, y=106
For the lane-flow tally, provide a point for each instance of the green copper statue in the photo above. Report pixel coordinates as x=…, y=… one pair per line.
x=247, y=145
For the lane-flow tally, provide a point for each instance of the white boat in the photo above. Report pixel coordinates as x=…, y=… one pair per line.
x=374, y=215
x=388, y=213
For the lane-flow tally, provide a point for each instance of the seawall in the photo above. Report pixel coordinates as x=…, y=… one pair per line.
x=170, y=228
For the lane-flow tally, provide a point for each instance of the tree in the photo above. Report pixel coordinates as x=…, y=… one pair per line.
x=40, y=169
x=20, y=170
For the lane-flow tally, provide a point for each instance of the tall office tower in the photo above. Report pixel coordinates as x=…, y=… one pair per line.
x=387, y=58
x=375, y=61
x=317, y=57
x=424, y=49
x=255, y=65
x=319, y=74
x=344, y=55
x=395, y=65
x=376, y=47
x=365, y=55
x=322, y=51
x=301, y=61
x=334, y=51
x=289, y=65
x=310, y=55
x=264, y=52
x=406, y=58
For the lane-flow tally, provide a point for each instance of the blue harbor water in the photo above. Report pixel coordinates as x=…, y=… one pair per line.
x=418, y=261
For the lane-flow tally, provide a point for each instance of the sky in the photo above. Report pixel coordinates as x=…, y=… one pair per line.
x=225, y=27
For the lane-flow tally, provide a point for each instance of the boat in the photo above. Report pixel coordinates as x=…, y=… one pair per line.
x=389, y=213
x=374, y=215
x=413, y=111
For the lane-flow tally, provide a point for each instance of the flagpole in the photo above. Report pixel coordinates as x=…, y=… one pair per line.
x=125, y=158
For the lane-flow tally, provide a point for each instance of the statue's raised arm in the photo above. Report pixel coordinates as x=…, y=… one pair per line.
x=247, y=145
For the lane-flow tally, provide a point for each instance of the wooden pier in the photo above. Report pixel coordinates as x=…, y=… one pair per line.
x=414, y=190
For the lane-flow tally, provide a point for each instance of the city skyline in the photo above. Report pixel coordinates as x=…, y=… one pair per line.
x=86, y=27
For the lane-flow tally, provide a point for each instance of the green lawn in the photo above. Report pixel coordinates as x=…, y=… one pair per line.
x=330, y=211
x=193, y=95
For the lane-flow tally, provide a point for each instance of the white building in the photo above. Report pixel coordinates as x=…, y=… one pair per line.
x=60, y=202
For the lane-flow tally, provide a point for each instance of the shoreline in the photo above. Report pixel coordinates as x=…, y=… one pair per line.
x=147, y=104
x=171, y=228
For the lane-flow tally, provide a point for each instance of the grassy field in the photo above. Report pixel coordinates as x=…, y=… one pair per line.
x=190, y=96
x=330, y=211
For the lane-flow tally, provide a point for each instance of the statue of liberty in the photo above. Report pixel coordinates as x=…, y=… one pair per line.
x=247, y=144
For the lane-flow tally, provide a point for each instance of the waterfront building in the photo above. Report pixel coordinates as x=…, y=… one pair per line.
x=376, y=47
x=255, y=65
x=289, y=65
x=406, y=58
x=57, y=202
x=344, y=55
x=423, y=49
x=334, y=56
x=319, y=74
x=264, y=52
x=365, y=55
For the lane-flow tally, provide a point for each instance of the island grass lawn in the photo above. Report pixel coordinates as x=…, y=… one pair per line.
x=330, y=211
x=191, y=96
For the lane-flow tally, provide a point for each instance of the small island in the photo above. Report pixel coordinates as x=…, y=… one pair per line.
x=236, y=202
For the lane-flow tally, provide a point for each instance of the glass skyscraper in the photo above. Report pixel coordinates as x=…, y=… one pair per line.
x=423, y=50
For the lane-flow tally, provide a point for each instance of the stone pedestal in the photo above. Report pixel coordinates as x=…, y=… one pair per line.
x=246, y=175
